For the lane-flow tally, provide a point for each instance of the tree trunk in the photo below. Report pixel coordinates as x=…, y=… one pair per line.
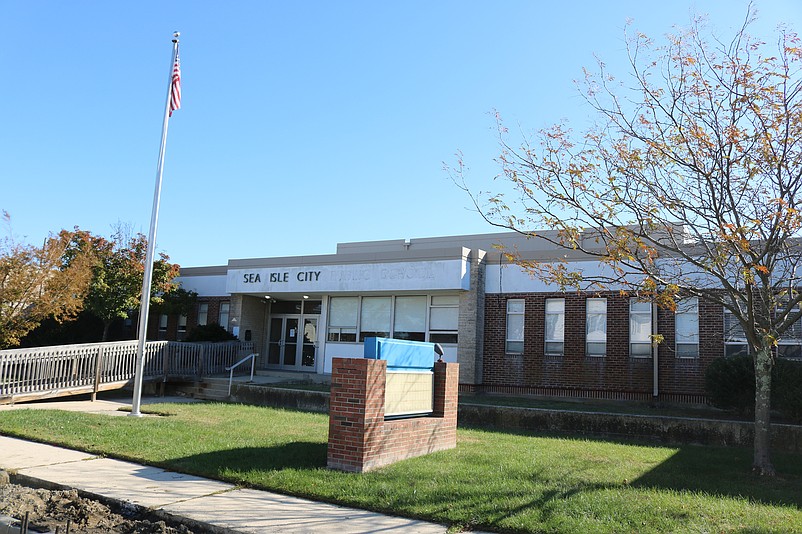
x=106, y=328
x=763, y=365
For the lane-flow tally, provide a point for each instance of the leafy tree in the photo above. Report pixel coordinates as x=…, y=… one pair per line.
x=118, y=269
x=176, y=301
x=35, y=284
x=84, y=328
x=689, y=185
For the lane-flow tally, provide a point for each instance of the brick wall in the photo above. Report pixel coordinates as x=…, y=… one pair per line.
x=359, y=437
x=685, y=376
x=617, y=375
x=213, y=314
x=172, y=333
x=252, y=318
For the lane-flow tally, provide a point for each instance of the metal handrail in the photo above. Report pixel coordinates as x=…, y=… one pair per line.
x=251, y=357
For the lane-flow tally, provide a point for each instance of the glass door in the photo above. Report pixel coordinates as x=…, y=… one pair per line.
x=282, y=342
x=289, y=347
x=309, y=345
x=274, y=341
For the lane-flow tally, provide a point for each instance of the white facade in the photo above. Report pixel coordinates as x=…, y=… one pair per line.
x=409, y=288
x=350, y=278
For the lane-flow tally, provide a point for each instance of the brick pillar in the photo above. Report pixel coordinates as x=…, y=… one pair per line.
x=253, y=312
x=356, y=411
x=446, y=398
x=446, y=387
x=470, y=347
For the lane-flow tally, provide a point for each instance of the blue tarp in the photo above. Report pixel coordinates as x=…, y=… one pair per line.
x=401, y=355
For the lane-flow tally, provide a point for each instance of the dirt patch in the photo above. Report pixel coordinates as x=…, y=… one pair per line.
x=49, y=510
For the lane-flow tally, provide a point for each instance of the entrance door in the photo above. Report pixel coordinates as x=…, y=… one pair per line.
x=284, y=350
x=309, y=342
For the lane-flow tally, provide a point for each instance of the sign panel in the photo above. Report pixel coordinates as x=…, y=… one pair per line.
x=410, y=381
x=408, y=394
x=423, y=275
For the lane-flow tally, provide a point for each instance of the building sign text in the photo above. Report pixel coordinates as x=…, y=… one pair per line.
x=424, y=275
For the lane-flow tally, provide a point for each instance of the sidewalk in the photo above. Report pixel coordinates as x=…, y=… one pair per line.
x=221, y=505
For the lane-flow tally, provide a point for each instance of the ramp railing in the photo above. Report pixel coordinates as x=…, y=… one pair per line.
x=40, y=372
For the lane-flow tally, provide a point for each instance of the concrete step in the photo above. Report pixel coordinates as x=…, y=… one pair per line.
x=293, y=376
x=211, y=393
x=207, y=390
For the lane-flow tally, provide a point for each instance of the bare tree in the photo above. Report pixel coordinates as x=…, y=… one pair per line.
x=688, y=185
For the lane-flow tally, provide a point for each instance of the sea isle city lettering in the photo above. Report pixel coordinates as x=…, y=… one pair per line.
x=282, y=277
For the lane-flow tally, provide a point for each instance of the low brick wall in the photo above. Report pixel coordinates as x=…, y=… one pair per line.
x=360, y=439
x=670, y=430
x=674, y=430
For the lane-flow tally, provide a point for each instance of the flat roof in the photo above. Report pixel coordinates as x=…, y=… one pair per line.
x=415, y=249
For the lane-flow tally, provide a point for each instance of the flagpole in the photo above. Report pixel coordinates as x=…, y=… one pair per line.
x=144, y=304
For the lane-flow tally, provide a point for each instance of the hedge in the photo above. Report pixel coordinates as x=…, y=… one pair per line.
x=730, y=384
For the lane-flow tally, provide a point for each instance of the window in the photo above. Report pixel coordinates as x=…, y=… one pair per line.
x=410, y=318
x=596, y=327
x=735, y=344
x=353, y=319
x=222, y=319
x=686, y=328
x=162, y=323
x=278, y=307
x=734, y=336
x=790, y=344
x=555, y=327
x=374, y=318
x=182, y=323
x=444, y=319
x=312, y=307
x=203, y=313
x=515, y=326
x=343, y=312
x=640, y=329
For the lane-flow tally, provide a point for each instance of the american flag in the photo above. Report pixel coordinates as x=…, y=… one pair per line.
x=175, y=86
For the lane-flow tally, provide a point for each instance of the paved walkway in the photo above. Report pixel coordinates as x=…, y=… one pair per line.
x=211, y=502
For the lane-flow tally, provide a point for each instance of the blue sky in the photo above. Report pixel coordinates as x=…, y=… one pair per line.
x=303, y=123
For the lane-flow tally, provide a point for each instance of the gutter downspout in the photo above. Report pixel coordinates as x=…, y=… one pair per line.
x=655, y=346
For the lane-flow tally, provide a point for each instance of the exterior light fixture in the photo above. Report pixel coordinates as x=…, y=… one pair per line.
x=438, y=349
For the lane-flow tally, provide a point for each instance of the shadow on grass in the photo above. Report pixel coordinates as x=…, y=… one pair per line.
x=225, y=463
x=713, y=470
x=727, y=472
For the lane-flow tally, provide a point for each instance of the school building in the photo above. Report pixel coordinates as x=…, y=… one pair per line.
x=510, y=332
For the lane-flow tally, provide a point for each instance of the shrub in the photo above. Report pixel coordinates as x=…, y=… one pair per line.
x=209, y=332
x=787, y=389
x=730, y=383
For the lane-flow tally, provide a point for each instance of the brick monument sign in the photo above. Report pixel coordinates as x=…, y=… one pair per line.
x=381, y=411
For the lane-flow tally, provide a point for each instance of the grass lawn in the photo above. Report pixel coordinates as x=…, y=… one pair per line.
x=492, y=480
